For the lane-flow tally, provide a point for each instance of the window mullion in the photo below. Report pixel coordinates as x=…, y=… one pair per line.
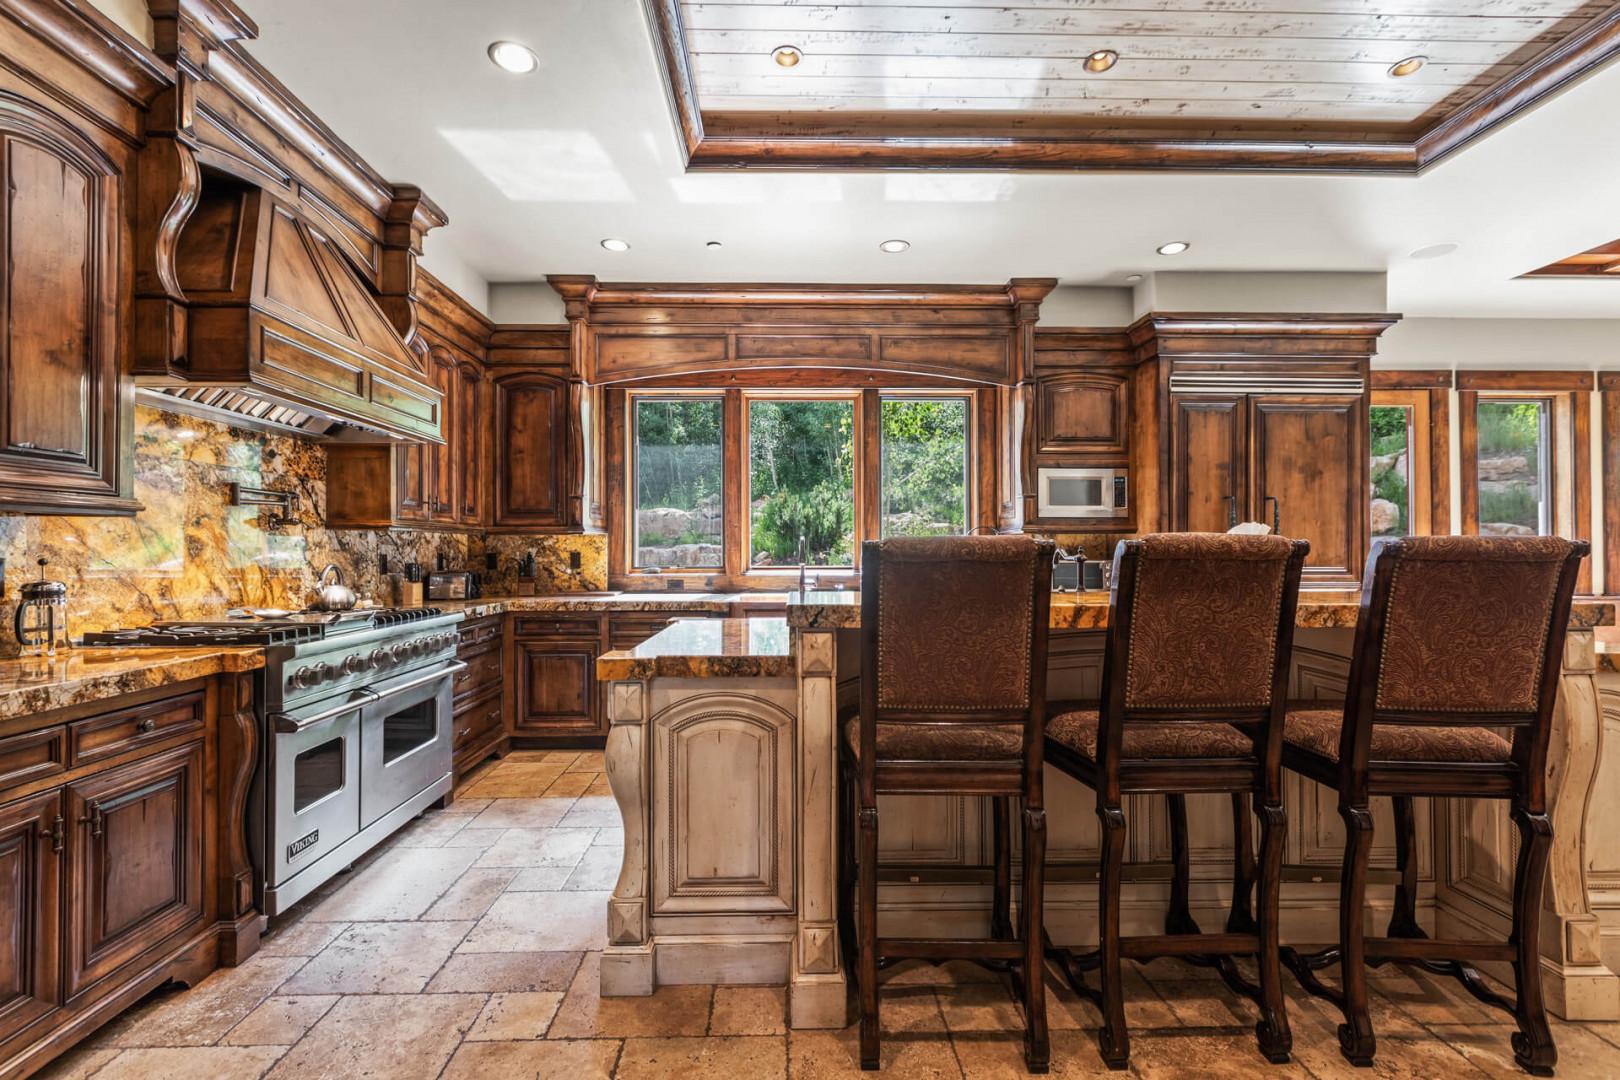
x=734, y=435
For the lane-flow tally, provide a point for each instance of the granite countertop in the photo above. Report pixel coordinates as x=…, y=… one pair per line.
x=596, y=602
x=1318, y=609
x=706, y=649
x=34, y=685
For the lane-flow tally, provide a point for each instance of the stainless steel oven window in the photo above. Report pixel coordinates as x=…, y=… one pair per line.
x=409, y=728
x=318, y=774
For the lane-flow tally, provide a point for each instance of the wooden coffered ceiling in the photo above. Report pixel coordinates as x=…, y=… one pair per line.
x=1248, y=84
x=1602, y=261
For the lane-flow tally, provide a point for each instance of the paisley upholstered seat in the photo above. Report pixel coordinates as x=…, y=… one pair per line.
x=940, y=742
x=1147, y=741
x=1318, y=730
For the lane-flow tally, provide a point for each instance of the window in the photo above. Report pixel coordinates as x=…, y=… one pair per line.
x=925, y=463
x=1401, y=439
x=1391, y=446
x=679, y=469
x=1513, y=467
x=727, y=484
x=801, y=482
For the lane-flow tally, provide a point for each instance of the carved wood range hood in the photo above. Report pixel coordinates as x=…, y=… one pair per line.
x=280, y=332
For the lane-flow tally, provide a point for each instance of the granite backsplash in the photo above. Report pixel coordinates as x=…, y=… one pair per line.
x=190, y=554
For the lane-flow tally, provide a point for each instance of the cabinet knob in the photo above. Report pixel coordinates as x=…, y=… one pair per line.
x=148, y=725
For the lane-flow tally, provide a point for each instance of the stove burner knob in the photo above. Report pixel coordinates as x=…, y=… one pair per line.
x=398, y=653
x=354, y=665
x=323, y=672
x=303, y=678
x=378, y=658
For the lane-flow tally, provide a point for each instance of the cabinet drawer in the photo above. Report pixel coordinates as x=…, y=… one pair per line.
x=478, y=721
x=483, y=670
x=479, y=631
x=113, y=733
x=32, y=755
x=585, y=626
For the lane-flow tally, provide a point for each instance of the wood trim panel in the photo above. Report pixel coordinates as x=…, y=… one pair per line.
x=1440, y=461
x=1609, y=402
x=1581, y=479
x=1468, y=460
x=1387, y=379
x=1528, y=381
x=724, y=140
x=1420, y=450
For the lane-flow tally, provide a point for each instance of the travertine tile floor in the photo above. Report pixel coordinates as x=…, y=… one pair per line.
x=468, y=947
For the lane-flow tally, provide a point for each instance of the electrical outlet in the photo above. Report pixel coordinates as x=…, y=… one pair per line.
x=573, y=560
x=490, y=561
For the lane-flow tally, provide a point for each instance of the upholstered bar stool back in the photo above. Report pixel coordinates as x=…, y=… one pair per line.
x=1459, y=639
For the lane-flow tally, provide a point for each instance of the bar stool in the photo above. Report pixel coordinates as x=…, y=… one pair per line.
x=952, y=702
x=1457, y=635
x=1193, y=695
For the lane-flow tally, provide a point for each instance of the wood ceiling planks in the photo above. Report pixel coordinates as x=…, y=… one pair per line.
x=1212, y=71
x=1602, y=261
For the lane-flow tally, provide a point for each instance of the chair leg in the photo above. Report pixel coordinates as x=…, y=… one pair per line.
x=1179, y=920
x=1001, y=908
x=1533, y=1045
x=1403, y=919
x=1241, y=921
x=1113, y=1040
x=1037, y=1040
x=1276, y=1041
x=867, y=888
x=1356, y=1040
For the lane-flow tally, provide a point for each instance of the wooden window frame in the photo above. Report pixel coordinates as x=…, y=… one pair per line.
x=1428, y=394
x=1570, y=467
x=736, y=524
x=1420, y=453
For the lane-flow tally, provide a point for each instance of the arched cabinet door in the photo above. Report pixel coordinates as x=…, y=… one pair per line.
x=532, y=439
x=60, y=411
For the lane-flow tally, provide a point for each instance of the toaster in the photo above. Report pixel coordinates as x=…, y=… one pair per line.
x=452, y=585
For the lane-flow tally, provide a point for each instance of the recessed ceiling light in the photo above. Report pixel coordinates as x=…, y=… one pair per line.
x=1174, y=247
x=787, y=55
x=510, y=56
x=1402, y=68
x=713, y=244
x=1433, y=251
x=1132, y=279
x=1101, y=60
x=894, y=247
x=616, y=245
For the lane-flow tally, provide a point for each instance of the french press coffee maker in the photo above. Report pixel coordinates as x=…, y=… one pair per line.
x=41, y=623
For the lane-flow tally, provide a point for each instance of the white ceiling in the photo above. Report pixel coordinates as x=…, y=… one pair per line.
x=534, y=170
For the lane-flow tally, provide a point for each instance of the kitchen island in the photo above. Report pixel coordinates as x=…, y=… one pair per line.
x=724, y=769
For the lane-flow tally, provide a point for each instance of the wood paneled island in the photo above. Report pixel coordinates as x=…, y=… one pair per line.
x=723, y=757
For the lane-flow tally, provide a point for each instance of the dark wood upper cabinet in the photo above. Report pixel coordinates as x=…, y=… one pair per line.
x=532, y=450
x=1208, y=466
x=136, y=849
x=1083, y=414
x=30, y=902
x=1309, y=464
x=442, y=504
x=467, y=427
x=64, y=417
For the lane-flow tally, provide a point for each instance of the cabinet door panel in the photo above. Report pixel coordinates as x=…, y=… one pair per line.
x=1208, y=474
x=1085, y=413
x=137, y=852
x=30, y=879
x=468, y=443
x=531, y=452
x=441, y=473
x=412, y=463
x=1309, y=457
x=557, y=689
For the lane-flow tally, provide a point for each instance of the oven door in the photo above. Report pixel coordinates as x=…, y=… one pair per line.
x=314, y=784
x=405, y=739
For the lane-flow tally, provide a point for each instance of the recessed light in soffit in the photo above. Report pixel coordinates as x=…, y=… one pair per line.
x=1101, y=60
x=787, y=55
x=1174, y=247
x=1402, y=68
x=514, y=57
x=894, y=247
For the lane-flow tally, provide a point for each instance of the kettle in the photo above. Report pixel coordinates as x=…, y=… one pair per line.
x=41, y=620
x=333, y=596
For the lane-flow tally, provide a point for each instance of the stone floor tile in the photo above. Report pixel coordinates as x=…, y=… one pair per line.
x=515, y=1016
x=514, y=780
x=191, y=1062
x=578, y=1059
x=199, y=1016
x=823, y=1055
x=401, y=886
x=589, y=761
x=540, y=879
x=432, y=829
x=598, y=870
x=541, y=922
x=78, y=1063
x=749, y=1010
x=563, y=757
x=279, y=1020
x=979, y=1007
x=669, y=1011
x=950, y=973
x=532, y=813
x=986, y=1056
x=512, y=972
x=592, y=812
x=474, y=838
x=464, y=805
x=382, y=1035
x=600, y=786
x=1184, y=1053
x=759, y=1057
x=379, y=958
x=304, y=937
x=569, y=785
x=471, y=895
x=537, y=847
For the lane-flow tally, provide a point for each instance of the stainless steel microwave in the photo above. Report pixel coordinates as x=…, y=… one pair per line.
x=1083, y=493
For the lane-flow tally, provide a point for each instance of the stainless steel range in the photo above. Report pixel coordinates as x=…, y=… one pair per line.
x=356, y=723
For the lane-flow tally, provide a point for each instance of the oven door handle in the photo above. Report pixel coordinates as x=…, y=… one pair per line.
x=287, y=724
x=452, y=668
